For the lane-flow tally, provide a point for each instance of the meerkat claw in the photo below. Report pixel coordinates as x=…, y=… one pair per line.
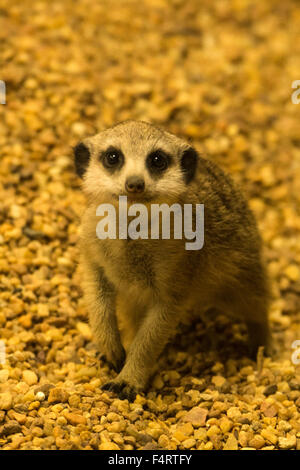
x=116, y=365
x=123, y=389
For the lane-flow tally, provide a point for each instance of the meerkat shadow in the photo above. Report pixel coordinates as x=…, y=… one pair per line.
x=200, y=345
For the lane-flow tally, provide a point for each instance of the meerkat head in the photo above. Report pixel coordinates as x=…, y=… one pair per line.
x=137, y=160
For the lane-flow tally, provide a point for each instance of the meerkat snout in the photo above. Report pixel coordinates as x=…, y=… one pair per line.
x=135, y=184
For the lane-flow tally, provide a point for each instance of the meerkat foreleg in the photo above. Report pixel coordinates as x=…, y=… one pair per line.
x=151, y=338
x=101, y=302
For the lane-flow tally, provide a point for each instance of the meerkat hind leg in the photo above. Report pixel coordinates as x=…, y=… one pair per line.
x=259, y=335
x=251, y=309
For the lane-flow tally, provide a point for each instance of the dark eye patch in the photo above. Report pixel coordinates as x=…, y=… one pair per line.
x=189, y=161
x=81, y=157
x=112, y=159
x=157, y=162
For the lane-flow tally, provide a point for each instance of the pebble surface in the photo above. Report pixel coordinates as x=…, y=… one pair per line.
x=220, y=74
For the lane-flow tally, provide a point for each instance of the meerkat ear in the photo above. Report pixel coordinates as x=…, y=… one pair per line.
x=82, y=157
x=189, y=163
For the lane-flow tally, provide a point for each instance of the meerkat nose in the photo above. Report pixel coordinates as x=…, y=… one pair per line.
x=135, y=184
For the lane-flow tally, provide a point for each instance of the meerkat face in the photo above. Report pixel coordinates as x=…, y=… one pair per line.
x=137, y=160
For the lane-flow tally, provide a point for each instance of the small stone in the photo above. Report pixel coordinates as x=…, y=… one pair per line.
x=12, y=427
x=288, y=442
x=269, y=435
x=42, y=310
x=109, y=446
x=4, y=374
x=195, y=396
x=84, y=330
x=5, y=401
x=150, y=446
x=21, y=418
x=142, y=438
x=225, y=424
x=244, y=437
x=78, y=128
x=209, y=446
x=16, y=441
x=116, y=427
x=22, y=388
x=158, y=382
x=75, y=419
x=29, y=396
x=30, y=377
x=33, y=405
x=180, y=436
x=292, y=272
x=233, y=413
x=266, y=174
x=218, y=381
x=74, y=400
x=40, y=396
x=173, y=377
x=213, y=430
x=196, y=416
x=44, y=388
x=163, y=441
x=268, y=409
x=257, y=442
x=231, y=443
x=200, y=434
x=15, y=211
x=270, y=390
x=189, y=443
x=183, y=431
x=86, y=371
x=58, y=395
x=245, y=371
x=26, y=320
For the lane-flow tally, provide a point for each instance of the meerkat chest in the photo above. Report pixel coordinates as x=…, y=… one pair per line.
x=131, y=272
x=138, y=266
x=128, y=262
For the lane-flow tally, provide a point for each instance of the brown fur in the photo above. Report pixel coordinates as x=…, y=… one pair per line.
x=137, y=291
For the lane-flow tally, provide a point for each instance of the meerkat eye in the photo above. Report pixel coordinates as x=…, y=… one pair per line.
x=112, y=157
x=158, y=161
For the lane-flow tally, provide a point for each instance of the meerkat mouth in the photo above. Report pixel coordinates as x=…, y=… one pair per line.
x=136, y=198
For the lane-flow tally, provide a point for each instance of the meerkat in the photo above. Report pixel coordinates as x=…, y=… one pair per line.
x=138, y=291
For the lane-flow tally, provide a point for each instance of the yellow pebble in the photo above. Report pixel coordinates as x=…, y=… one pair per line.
x=292, y=272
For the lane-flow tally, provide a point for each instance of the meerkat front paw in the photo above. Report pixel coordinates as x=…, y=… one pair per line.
x=122, y=389
x=115, y=359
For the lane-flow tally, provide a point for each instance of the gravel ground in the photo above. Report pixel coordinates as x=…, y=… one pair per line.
x=219, y=74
